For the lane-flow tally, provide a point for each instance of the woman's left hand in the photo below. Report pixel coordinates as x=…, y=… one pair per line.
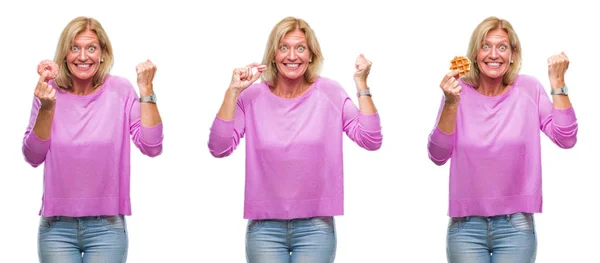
x=363, y=67
x=145, y=74
x=557, y=66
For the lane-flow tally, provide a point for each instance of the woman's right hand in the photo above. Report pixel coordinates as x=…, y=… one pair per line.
x=242, y=77
x=451, y=88
x=45, y=93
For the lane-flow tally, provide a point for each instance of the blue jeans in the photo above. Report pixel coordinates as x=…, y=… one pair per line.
x=92, y=239
x=291, y=241
x=497, y=239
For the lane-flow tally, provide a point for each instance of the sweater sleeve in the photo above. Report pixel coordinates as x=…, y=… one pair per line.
x=147, y=139
x=34, y=149
x=560, y=125
x=363, y=129
x=225, y=135
x=440, y=145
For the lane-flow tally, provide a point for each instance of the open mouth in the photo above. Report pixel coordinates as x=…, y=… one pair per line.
x=493, y=64
x=83, y=66
x=292, y=65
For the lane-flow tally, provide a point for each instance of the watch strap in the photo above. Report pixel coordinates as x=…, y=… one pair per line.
x=151, y=98
x=365, y=92
x=562, y=91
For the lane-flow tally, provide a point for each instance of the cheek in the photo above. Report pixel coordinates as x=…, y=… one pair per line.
x=71, y=57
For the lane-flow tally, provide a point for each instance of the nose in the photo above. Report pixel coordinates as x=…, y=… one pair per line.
x=494, y=53
x=82, y=55
x=292, y=56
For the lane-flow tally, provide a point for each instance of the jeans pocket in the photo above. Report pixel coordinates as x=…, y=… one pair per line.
x=254, y=225
x=455, y=224
x=114, y=222
x=323, y=223
x=46, y=223
x=522, y=222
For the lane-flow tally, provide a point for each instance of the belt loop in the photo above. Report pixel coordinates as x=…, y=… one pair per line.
x=467, y=218
x=57, y=218
x=508, y=217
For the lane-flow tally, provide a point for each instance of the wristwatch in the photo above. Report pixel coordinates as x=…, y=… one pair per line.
x=561, y=91
x=365, y=92
x=151, y=98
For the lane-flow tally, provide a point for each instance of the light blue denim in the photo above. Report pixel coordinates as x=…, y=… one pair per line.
x=309, y=240
x=94, y=239
x=497, y=239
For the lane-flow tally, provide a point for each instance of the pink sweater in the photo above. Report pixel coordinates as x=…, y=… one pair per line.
x=294, y=165
x=86, y=159
x=495, y=151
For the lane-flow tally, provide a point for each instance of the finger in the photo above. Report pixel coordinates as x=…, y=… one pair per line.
x=52, y=93
x=41, y=88
x=564, y=55
x=48, y=89
x=43, y=76
x=255, y=76
x=253, y=65
x=242, y=73
x=261, y=68
x=237, y=74
x=361, y=60
x=450, y=84
x=449, y=75
x=448, y=79
x=249, y=73
x=456, y=89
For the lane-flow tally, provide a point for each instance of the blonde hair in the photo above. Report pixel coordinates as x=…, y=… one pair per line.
x=80, y=24
x=278, y=32
x=477, y=38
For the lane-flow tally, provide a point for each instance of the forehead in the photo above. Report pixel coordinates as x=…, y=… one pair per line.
x=86, y=37
x=496, y=35
x=295, y=35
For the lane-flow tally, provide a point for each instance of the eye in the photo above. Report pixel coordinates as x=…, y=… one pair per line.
x=502, y=48
x=301, y=48
x=283, y=48
x=92, y=48
x=74, y=48
x=485, y=47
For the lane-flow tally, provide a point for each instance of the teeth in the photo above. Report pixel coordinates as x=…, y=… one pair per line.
x=494, y=64
x=292, y=65
x=83, y=65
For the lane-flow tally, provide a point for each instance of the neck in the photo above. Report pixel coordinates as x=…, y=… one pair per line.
x=290, y=88
x=82, y=87
x=491, y=87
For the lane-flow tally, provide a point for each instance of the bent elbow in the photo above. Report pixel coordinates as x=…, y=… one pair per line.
x=567, y=144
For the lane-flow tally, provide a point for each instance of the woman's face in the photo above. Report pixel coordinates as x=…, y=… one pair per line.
x=293, y=55
x=85, y=55
x=495, y=54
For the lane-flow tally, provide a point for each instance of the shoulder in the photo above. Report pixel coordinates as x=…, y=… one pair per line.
x=118, y=84
x=331, y=89
x=528, y=83
x=253, y=91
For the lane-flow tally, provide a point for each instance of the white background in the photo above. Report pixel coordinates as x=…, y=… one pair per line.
x=187, y=205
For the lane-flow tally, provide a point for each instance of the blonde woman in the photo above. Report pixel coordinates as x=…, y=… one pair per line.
x=80, y=126
x=293, y=122
x=489, y=127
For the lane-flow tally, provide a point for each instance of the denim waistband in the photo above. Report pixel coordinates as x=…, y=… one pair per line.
x=507, y=216
x=70, y=218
